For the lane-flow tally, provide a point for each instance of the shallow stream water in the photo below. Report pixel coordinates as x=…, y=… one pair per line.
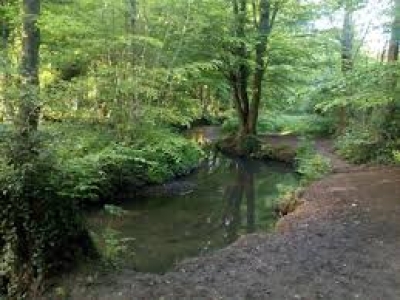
x=224, y=199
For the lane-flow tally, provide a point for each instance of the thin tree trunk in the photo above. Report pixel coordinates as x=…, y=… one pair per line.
x=347, y=41
x=132, y=13
x=25, y=210
x=29, y=108
x=264, y=29
x=4, y=51
x=347, y=58
x=393, y=52
x=393, y=110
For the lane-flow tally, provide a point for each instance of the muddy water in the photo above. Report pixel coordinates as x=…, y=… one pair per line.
x=224, y=199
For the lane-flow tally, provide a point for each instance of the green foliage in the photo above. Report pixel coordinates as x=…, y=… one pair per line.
x=311, y=165
x=358, y=144
x=396, y=155
x=368, y=97
x=361, y=144
x=83, y=179
x=112, y=244
x=277, y=122
x=90, y=167
x=41, y=232
x=99, y=167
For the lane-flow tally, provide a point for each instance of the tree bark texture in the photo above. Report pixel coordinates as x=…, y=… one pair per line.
x=243, y=77
x=29, y=107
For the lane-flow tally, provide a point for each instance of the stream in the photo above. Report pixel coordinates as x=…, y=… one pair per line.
x=222, y=200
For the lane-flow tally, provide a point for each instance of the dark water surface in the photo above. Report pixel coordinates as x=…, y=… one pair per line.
x=221, y=201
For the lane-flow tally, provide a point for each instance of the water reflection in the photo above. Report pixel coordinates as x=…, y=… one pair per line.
x=230, y=197
x=204, y=135
x=241, y=190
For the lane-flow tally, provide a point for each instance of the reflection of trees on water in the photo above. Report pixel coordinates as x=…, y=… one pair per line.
x=204, y=135
x=242, y=188
x=199, y=137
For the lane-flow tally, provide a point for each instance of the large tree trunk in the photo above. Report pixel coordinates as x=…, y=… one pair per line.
x=247, y=106
x=264, y=29
x=239, y=77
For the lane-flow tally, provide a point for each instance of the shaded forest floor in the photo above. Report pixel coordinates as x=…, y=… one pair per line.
x=342, y=243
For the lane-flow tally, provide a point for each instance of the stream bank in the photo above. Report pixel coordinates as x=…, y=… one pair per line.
x=342, y=243
x=222, y=200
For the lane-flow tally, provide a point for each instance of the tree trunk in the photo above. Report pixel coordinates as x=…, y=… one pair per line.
x=393, y=52
x=5, y=31
x=347, y=59
x=29, y=108
x=131, y=14
x=347, y=40
x=264, y=29
x=23, y=210
x=247, y=106
x=391, y=126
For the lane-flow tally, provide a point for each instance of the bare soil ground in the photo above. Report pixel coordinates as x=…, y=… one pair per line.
x=342, y=243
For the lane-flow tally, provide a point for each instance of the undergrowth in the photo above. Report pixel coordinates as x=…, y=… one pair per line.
x=96, y=165
x=311, y=165
x=275, y=122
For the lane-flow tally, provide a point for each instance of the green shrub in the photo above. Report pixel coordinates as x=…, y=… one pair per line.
x=396, y=155
x=358, y=144
x=72, y=140
x=157, y=157
x=41, y=231
x=173, y=156
x=122, y=166
x=83, y=179
x=311, y=165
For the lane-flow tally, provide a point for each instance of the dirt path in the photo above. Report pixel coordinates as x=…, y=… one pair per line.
x=343, y=243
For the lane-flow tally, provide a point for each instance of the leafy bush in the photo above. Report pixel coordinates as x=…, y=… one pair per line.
x=41, y=232
x=83, y=179
x=311, y=165
x=72, y=139
x=396, y=155
x=122, y=165
x=361, y=144
x=157, y=157
x=358, y=144
x=173, y=156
